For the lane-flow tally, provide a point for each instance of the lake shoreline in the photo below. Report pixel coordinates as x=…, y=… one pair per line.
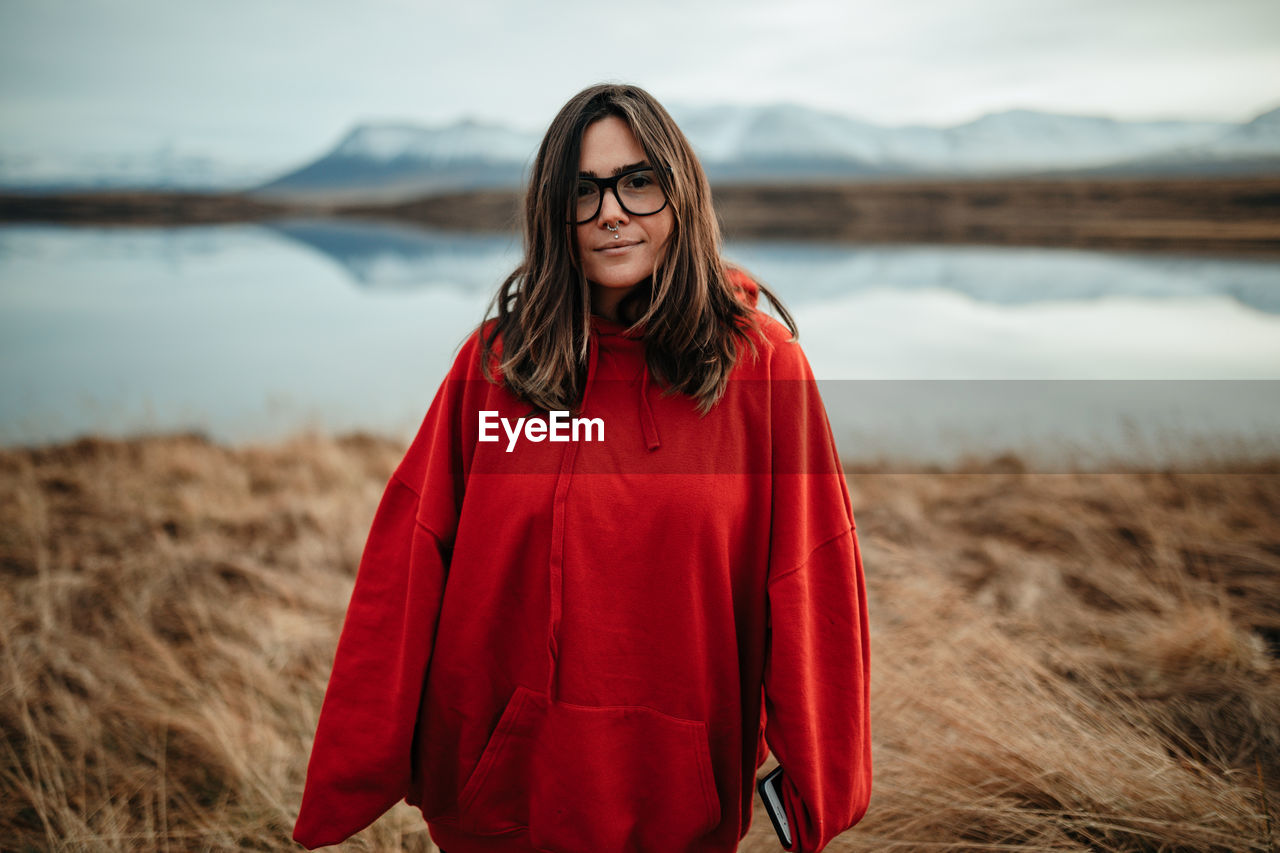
x=1233, y=216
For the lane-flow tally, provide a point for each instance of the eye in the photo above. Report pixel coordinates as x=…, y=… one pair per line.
x=585, y=189
x=639, y=181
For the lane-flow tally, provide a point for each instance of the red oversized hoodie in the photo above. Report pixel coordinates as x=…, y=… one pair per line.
x=584, y=646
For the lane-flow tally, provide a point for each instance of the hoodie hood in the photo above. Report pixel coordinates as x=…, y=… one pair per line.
x=746, y=287
x=617, y=335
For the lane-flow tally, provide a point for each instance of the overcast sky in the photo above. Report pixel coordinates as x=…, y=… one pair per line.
x=276, y=82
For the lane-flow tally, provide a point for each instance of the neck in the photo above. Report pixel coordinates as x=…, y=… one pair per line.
x=605, y=300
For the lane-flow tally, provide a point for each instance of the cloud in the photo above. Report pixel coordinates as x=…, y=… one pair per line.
x=281, y=81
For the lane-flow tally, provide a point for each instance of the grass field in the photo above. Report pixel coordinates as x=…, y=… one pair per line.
x=1060, y=661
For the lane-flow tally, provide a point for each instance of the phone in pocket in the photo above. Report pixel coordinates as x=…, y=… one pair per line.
x=771, y=796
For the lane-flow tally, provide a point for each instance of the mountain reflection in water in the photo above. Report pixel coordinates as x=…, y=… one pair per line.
x=257, y=331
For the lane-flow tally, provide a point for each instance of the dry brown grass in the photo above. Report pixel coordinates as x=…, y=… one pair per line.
x=1062, y=662
x=1073, y=662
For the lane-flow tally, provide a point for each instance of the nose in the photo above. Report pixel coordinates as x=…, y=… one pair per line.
x=611, y=208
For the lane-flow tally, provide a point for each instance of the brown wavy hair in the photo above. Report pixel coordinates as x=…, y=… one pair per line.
x=694, y=323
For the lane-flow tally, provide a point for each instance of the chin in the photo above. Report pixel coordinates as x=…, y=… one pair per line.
x=618, y=278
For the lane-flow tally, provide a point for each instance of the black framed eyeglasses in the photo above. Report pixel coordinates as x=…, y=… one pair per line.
x=637, y=191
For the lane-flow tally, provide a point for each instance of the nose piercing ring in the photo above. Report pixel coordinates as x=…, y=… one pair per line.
x=613, y=228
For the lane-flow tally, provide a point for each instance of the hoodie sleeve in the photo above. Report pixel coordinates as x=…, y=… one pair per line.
x=816, y=677
x=360, y=760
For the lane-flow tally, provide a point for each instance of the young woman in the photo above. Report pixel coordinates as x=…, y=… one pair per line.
x=618, y=563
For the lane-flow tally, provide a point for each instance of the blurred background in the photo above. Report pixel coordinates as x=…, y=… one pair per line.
x=249, y=219
x=1033, y=249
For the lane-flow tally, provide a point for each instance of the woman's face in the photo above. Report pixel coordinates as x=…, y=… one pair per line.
x=618, y=260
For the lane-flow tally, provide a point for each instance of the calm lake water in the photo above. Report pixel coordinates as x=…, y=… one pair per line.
x=250, y=332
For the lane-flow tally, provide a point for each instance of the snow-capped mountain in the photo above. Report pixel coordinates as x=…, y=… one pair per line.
x=1260, y=136
x=388, y=162
x=999, y=142
x=775, y=142
x=790, y=142
x=467, y=140
x=727, y=134
x=1240, y=149
x=163, y=168
x=1027, y=140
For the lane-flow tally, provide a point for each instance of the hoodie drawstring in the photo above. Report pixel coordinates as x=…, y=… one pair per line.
x=647, y=423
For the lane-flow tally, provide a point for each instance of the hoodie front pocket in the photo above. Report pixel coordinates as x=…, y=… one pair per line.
x=495, y=798
x=620, y=779
x=586, y=779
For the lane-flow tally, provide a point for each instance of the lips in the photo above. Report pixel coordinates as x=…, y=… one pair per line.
x=618, y=244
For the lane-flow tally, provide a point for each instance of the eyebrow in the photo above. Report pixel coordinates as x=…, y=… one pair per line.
x=617, y=171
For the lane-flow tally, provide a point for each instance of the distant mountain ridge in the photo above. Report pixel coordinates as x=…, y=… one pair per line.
x=782, y=142
x=393, y=161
